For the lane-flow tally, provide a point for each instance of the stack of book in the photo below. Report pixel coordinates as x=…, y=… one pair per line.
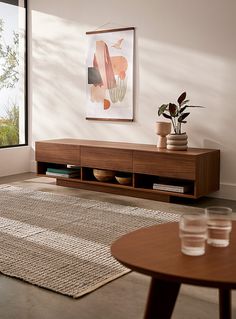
x=63, y=172
x=168, y=187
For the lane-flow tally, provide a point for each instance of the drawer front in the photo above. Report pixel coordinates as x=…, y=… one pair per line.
x=176, y=166
x=57, y=153
x=106, y=158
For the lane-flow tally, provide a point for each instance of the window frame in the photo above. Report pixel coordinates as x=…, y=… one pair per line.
x=16, y=2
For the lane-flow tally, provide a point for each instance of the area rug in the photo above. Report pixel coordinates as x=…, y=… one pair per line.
x=62, y=243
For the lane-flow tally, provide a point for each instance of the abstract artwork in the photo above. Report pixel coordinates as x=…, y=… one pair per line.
x=110, y=74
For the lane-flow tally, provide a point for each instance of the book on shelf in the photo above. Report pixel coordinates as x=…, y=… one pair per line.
x=72, y=166
x=63, y=172
x=178, y=188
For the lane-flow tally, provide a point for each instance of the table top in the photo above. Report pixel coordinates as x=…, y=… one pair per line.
x=155, y=251
x=128, y=146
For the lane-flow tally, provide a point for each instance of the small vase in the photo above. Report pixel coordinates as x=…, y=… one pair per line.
x=162, y=129
x=177, y=142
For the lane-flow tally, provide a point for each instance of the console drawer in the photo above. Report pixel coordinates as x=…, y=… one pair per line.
x=106, y=158
x=57, y=153
x=167, y=165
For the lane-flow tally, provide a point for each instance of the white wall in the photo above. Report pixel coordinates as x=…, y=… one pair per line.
x=14, y=160
x=180, y=45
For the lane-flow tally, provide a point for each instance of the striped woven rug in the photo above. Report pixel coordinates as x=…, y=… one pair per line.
x=62, y=243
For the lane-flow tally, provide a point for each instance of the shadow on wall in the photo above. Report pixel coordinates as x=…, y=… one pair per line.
x=162, y=73
x=168, y=63
x=198, y=25
x=59, y=80
x=172, y=55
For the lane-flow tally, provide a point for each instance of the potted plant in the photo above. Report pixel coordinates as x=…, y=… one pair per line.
x=177, y=114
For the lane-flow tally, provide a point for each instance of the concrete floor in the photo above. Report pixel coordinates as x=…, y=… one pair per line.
x=123, y=298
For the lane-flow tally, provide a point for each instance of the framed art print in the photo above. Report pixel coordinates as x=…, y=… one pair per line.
x=109, y=64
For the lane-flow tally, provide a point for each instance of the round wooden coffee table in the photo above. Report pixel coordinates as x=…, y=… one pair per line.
x=155, y=251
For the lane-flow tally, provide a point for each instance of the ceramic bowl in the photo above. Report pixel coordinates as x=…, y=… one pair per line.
x=103, y=175
x=124, y=180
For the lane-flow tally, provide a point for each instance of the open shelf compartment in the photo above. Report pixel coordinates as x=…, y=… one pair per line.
x=88, y=176
x=58, y=170
x=43, y=166
x=164, y=184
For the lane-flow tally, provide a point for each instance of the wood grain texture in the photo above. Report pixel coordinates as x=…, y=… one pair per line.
x=122, y=145
x=155, y=251
x=162, y=164
x=57, y=153
x=110, y=30
x=113, y=189
x=207, y=173
x=107, y=158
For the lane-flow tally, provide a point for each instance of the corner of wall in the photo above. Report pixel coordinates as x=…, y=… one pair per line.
x=226, y=191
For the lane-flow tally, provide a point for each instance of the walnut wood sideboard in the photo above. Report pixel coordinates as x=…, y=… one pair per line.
x=146, y=164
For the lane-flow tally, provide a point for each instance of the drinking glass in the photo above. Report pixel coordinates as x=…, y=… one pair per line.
x=193, y=233
x=219, y=225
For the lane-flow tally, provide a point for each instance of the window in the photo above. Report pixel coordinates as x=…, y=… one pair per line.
x=13, y=75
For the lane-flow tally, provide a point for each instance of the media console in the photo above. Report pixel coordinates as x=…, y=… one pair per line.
x=147, y=164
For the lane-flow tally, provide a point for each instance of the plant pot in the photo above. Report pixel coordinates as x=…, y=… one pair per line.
x=162, y=129
x=177, y=142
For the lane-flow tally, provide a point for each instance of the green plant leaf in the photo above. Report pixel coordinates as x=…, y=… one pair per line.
x=183, y=116
x=162, y=109
x=173, y=109
x=166, y=116
x=181, y=98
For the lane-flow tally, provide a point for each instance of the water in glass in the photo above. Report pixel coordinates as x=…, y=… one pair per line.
x=219, y=226
x=192, y=231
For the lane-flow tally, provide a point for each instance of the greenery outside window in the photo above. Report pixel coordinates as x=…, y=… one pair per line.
x=13, y=73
